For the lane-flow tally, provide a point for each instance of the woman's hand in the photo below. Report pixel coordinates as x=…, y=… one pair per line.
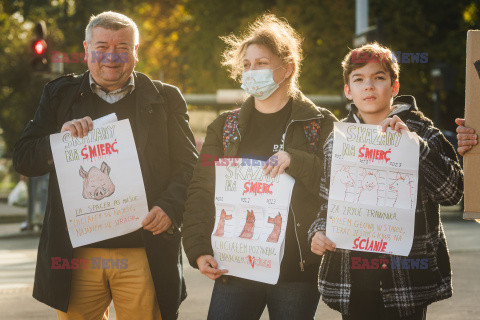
x=466, y=137
x=208, y=267
x=395, y=123
x=320, y=243
x=277, y=163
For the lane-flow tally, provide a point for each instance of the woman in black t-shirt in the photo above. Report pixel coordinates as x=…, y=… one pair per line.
x=279, y=124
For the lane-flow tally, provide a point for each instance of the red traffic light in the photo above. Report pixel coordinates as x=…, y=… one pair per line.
x=40, y=46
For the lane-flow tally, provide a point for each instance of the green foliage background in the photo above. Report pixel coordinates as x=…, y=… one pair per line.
x=179, y=44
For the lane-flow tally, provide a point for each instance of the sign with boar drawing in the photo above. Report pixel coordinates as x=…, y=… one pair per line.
x=100, y=182
x=373, y=189
x=248, y=238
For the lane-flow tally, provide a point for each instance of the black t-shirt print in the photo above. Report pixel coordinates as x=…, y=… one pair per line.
x=265, y=133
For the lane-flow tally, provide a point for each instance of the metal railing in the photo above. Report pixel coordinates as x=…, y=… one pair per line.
x=214, y=101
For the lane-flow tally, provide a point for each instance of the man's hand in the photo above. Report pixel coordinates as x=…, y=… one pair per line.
x=277, y=163
x=208, y=267
x=78, y=127
x=156, y=221
x=466, y=137
x=320, y=243
x=395, y=123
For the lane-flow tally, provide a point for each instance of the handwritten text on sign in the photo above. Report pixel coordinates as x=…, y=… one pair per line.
x=373, y=189
x=251, y=219
x=100, y=182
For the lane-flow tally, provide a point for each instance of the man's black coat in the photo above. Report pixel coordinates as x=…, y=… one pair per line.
x=167, y=154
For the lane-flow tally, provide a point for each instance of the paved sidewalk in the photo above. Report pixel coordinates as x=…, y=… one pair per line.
x=18, y=256
x=11, y=213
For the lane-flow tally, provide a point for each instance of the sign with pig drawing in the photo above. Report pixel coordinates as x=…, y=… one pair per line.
x=100, y=182
x=248, y=238
x=373, y=189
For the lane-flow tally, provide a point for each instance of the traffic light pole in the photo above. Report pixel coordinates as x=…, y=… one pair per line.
x=39, y=47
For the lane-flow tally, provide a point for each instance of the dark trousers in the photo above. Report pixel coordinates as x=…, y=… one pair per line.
x=366, y=309
x=366, y=300
x=239, y=299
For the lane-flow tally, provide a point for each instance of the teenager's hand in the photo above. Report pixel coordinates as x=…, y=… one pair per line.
x=208, y=267
x=466, y=137
x=277, y=163
x=78, y=127
x=320, y=243
x=395, y=123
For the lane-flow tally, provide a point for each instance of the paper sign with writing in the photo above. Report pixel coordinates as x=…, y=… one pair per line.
x=100, y=182
x=373, y=189
x=251, y=219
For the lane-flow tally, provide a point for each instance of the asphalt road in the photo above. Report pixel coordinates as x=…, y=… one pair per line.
x=17, y=267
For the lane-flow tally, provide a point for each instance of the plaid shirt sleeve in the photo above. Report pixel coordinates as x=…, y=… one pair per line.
x=439, y=168
x=320, y=223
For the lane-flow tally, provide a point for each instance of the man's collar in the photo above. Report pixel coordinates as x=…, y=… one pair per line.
x=95, y=87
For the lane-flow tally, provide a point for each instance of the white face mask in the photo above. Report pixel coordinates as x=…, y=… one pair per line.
x=259, y=83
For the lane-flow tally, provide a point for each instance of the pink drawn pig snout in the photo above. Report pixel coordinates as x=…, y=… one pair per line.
x=100, y=192
x=97, y=183
x=104, y=191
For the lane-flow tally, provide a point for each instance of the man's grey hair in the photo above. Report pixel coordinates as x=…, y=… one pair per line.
x=112, y=21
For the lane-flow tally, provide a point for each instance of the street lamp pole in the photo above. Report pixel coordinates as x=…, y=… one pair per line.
x=361, y=16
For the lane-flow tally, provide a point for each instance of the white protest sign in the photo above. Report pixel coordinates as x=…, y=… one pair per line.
x=373, y=189
x=100, y=182
x=251, y=219
x=109, y=118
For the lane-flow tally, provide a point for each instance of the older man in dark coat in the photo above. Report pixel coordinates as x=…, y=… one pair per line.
x=152, y=286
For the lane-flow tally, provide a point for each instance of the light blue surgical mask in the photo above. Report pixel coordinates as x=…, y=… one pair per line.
x=259, y=83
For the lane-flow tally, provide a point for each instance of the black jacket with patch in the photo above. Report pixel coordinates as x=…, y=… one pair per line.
x=306, y=166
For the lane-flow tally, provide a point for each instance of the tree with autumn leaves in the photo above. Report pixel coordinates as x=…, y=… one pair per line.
x=180, y=44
